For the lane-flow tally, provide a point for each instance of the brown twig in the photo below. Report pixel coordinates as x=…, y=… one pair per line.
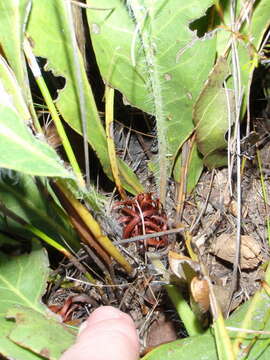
x=149, y=236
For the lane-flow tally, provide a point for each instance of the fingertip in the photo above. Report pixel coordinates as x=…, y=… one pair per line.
x=107, y=334
x=105, y=313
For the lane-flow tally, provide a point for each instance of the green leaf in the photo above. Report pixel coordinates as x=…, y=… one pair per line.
x=27, y=197
x=23, y=282
x=14, y=16
x=19, y=149
x=147, y=51
x=14, y=91
x=211, y=113
x=55, y=46
x=35, y=331
x=196, y=347
x=8, y=348
x=204, y=348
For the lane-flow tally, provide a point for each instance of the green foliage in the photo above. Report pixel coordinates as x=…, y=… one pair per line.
x=253, y=315
x=26, y=197
x=14, y=16
x=55, y=47
x=148, y=52
x=23, y=282
x=211, y=113
x=165, y=59
x=19, y=149
x=36, y=332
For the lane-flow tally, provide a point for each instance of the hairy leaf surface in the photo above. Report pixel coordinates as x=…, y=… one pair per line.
x=146, y=50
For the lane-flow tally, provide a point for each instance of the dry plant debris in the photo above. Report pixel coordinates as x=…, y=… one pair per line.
x=224, y=247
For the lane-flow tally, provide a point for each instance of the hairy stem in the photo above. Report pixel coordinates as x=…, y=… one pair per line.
x=144, y=19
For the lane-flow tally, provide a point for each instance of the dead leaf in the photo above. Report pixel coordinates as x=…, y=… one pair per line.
x=250, y=252
x=183, y=267
x=234, y=210
x=200, y=292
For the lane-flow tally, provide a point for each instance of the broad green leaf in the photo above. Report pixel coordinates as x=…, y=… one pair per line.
x=14, y=15
x=36, y=332
x=211, y=109
x=204, y=348
x=19, y=149
x=14, y=90
x=8, y=348
x=196, y=347
x=195, y=169
x=23, y=282
x=55, y=46
x=27, y=197
x=211, y=114
x=146, y=50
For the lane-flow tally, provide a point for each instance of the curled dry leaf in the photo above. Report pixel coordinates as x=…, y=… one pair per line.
x=233, y=209
x=200, y=292
x=183, y=267
x=188, y=270
x=250, y=254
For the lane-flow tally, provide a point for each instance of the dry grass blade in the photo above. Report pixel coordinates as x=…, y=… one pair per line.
x=93, y=227
x=85, y=235
x=182, y=187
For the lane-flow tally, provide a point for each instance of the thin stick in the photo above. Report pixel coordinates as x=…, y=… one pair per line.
x=229, y=147
x=205, y=203
x=149, y=236
x=248, y=331
x=98, y=285
x=264, y=42
x=85, y=6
